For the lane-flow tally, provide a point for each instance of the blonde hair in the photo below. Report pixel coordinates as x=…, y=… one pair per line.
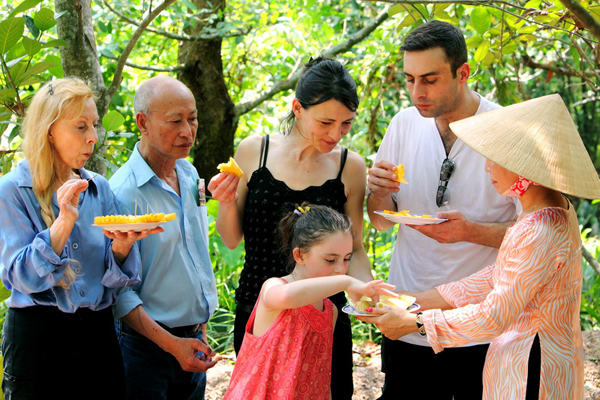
x=61, y=98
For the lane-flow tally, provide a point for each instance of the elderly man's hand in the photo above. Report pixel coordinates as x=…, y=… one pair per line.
x=185, y=350
x=456, y=229
x=392, y=322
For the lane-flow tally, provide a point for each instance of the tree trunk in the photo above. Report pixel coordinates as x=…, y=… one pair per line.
x=79, y=57
x=203, y=74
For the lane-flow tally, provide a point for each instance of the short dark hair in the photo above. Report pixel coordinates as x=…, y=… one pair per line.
x=439, y=34
x=307, y=228
x=323, y=79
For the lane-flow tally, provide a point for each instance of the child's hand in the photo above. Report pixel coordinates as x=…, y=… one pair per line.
x=372, y=289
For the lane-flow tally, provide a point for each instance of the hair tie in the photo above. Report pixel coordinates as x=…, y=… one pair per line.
x=301, y=210
x=50, y=90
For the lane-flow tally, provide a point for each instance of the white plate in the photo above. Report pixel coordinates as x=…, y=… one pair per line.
x=401, y=219
x=349, y=309
x=137, y=227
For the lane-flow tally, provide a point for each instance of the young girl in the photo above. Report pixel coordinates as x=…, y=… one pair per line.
x=286, y=352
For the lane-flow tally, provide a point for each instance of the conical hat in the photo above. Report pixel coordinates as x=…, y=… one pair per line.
x=536, y=139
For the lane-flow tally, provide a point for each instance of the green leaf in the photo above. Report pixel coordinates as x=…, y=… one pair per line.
x=16, y=131
x=34, y=69
x=474, y=41
x=396, y=9
x=482, y=51
x=533, y=4
x=54, y=43
x=112, y=120
x=481, y=20
x=527, y=29
x=57, y=71
x=24, y=6
x=44, y=19
x=11, y=31
x=7, y=94
x=509, y=47
x=35, y=32
x=7, y=167
x=31, y=46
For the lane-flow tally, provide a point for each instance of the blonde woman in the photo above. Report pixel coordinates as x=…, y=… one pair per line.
x=62, y=272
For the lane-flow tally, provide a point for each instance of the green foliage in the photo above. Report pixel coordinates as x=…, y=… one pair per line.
x=590, y=299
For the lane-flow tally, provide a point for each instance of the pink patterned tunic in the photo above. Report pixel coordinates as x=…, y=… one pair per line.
x=534, y=287
x=290, y=361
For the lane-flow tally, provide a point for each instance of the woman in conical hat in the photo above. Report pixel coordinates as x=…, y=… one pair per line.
x=527, y=303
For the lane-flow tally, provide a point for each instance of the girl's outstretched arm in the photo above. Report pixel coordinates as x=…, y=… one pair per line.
x=279, y=296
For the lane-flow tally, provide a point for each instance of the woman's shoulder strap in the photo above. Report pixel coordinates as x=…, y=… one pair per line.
x=264, y=147
x=344, y=156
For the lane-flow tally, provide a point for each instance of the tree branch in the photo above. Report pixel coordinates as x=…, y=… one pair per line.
x=590, y=259
x=148, y=67
x=529, y=62
x=178, y=36
x=485, y=3
x=289, y=83
x=134, y=38
x=583, y=16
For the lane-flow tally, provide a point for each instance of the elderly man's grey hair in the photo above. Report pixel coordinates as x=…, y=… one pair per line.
x=143, y=97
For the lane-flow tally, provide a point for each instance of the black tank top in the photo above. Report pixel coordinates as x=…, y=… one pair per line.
x=267, y=203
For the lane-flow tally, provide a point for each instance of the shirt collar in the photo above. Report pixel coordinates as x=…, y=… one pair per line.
x=141, y=170
x=23, y=175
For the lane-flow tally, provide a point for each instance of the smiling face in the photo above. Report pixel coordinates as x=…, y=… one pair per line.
x=323, y=124
x=169, y=128
x=73, y=139
x=329, y=257
x=433, y=89
x=502, y=179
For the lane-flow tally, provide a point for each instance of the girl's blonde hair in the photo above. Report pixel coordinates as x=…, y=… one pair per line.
x=61, y=98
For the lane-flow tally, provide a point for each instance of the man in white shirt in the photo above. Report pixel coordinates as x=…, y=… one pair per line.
x=445, y=178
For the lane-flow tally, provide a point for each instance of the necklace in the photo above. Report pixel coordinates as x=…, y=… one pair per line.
x=531, y=209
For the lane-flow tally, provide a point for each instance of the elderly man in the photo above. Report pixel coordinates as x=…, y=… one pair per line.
x=162, y=321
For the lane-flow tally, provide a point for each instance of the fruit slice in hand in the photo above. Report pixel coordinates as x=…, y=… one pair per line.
x=400, y=173
x=231, y=167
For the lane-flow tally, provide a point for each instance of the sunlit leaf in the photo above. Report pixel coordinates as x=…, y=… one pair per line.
x=57, y=70
x=44, y=19
x=24, y=6
x=54, y=43
x=482, y=51
x=533, y=4
x=11, y=31
x=527, y=29
x=31, y=46
x=474, y=41
x=481, y=20
x=509, y=47
x=396, y=9
x=112, y=120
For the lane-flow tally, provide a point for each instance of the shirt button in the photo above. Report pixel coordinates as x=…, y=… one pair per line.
x=75, y=246
x=77, y=270
x=82, y=293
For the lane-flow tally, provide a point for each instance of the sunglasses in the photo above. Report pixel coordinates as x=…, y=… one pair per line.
x=445, y=174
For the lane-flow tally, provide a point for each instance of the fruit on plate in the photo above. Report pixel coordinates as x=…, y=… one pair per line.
x=133, y=219
x=406, y=213
x=231, y=167
x=400, y=173
x=403, y=301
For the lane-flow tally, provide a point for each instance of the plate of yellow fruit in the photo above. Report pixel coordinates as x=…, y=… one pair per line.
x=405, y=217
x=136, y=223
x=403, y=301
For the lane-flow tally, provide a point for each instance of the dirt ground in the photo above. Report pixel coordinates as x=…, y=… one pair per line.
x=368, y=378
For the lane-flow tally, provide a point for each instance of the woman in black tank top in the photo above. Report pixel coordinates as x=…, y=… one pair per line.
x=305, y=163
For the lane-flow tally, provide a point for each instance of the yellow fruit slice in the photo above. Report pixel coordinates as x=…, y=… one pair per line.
x=400, y=173
x=231, y=167
x=133, y=219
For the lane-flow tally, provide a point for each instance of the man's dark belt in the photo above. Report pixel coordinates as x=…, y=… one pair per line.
x=181, y=331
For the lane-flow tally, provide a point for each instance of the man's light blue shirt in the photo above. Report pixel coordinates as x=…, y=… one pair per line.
x=31, y=269
x=178, y=284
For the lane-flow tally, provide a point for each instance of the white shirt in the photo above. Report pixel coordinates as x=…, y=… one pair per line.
x=418, y=262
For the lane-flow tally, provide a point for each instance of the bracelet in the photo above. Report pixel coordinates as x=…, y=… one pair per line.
x=420, y=325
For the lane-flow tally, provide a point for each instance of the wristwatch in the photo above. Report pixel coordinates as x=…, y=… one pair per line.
x=420, y=325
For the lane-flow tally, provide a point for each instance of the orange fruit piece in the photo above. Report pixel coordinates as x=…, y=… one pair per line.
x=231, y=167
x=400, y=173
